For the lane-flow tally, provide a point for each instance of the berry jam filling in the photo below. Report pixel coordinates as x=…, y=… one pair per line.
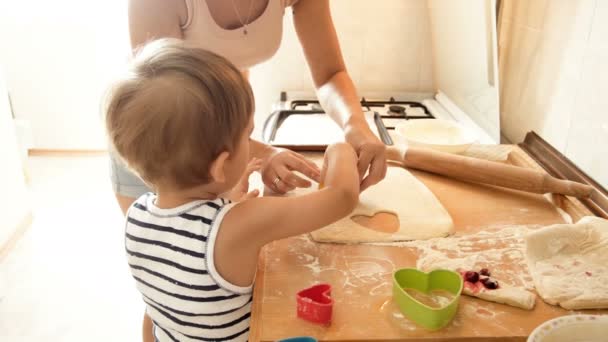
x=471, y=276
x=485, y=272
x=489, y=283
x=482, y=278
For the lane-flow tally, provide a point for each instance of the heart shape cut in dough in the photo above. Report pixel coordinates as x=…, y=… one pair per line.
x=382, y=222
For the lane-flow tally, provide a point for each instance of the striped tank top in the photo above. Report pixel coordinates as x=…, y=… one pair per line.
x=170, y=253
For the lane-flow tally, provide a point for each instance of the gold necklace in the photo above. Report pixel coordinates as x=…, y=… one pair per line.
x=243, y=23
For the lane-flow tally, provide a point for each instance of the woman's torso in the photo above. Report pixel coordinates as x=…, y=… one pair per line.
x=244, y=46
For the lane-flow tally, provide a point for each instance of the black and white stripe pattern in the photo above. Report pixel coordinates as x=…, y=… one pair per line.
x=168, y=253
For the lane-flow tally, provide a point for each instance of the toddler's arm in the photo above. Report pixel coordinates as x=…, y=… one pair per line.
x=251, y=224
x=261, y=220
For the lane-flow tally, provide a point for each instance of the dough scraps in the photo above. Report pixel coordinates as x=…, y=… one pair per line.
x=569, y=263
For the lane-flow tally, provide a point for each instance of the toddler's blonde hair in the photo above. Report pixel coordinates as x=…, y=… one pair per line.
x=175, y=111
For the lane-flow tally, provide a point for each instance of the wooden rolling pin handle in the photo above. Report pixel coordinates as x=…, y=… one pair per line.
x=566, y=187
x=486, y=172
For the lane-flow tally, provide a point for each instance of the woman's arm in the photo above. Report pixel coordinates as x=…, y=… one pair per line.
x=153, y=19
x=335, y=89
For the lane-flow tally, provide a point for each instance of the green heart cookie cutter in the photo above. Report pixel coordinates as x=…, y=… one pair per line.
x=424, y=315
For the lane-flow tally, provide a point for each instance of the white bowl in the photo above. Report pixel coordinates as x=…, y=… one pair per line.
x=442, y=135
x=572, y=328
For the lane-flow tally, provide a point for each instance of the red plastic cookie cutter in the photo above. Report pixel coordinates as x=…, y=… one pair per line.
x=315, y=304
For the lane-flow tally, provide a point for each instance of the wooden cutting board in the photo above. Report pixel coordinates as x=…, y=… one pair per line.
x=361, y=275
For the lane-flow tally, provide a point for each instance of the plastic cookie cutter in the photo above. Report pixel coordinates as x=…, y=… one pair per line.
x=315, y=304
x=430, y=317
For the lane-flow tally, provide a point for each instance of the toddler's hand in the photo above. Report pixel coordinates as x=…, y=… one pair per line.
x=241, y=192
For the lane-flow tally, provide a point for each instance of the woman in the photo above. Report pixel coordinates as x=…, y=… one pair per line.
x=248, y=32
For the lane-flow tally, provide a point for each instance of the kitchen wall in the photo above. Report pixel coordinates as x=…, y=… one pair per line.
x=14, y=203
x=553, y=73
x=59, y=56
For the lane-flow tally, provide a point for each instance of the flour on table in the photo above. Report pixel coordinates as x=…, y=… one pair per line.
x=421, y=215
x=569, y=263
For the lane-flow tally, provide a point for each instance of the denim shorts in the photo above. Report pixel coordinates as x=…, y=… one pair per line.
x=124, y=181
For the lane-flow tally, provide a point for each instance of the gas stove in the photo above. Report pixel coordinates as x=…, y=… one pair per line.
x=391, y=111
x=300, y=123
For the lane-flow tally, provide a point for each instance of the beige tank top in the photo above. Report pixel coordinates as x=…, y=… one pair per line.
x=261, y=42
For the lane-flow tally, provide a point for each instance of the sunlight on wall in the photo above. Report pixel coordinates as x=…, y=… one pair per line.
x=58, y=57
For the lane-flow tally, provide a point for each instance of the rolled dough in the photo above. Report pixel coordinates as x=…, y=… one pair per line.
x=501, y=251
x=421, y=215
x=505, y=294
x=569, y=263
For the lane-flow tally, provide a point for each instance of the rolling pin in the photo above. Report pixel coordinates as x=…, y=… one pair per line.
x=485, y=172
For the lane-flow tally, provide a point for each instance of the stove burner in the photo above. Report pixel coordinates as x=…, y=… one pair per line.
x=397, y=109
x=391, y=108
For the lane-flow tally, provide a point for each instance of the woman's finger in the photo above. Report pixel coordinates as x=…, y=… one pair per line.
x=291, y=179
x=274, y=182
x=282, y=187
x=365, y=158
x=305, y=167
x=309, y=162
x=377, y=171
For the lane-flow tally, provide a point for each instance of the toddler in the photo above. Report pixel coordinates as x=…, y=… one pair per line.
x=181, y=119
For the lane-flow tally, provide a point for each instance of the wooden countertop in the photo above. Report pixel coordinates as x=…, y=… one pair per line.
x=361, y=274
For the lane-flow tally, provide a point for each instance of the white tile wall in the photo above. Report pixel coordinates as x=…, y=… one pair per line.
x=554, y=76
x=587, y=142
x=464, y=61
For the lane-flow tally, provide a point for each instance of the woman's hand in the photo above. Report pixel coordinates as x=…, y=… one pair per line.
x=335, y=89
x=278, y=171
x=241, y=192
x=371, y=152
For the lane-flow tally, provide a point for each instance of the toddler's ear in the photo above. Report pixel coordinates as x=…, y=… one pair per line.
x=216, y=171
